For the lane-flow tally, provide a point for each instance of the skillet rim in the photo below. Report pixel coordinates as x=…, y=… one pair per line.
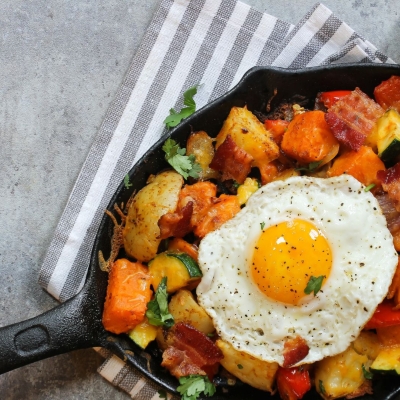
x=123, y=347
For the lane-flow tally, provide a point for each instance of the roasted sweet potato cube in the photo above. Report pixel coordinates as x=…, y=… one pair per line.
x=387, y=94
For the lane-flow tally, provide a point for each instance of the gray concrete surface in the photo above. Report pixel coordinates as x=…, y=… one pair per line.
x=61, y=64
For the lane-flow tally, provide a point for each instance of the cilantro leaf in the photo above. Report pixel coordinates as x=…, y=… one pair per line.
x=369, y=187
x=192, y=386
x=127, y=183
x=262, y=224
x=162, y=394
x=312, y=167
x=177, y=158
x=240, y=366
x=174, y=118
x=314, y=284
x=367, y=373
x=157, y=309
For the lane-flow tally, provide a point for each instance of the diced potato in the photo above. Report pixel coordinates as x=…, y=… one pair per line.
x=250, y=135
x=367, y=344
x=257, y=373
x=157, y=198
x=184, y=308
x=340, y=375
x=244, y=191
x=201, y=146
x=143, y=333
x=287, y=173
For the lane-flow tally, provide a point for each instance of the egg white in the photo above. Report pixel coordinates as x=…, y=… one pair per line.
x=364, y=261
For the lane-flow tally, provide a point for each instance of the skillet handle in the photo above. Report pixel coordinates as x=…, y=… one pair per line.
x=75, y=324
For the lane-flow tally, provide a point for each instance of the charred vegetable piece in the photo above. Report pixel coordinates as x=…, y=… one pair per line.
x=308, y=138
x=179, y=268
x=143, y=333
x=257, y=373
x=363, y=165
x=128, y=293
x=293, y=383
x=387, y=94
x=141, y=233
x=388, y=361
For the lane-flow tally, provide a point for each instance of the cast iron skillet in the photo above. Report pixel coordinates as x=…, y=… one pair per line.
x=77, y=323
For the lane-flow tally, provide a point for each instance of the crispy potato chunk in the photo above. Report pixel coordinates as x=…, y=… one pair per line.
x=340, y=375
x=250, y=135
x=368, y=344
x=184, y=308
x=141, y=232
x=257, y=373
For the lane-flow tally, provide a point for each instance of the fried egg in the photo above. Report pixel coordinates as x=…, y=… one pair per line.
x=293, y=233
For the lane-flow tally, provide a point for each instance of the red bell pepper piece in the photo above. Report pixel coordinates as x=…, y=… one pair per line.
x=328, y=99
x=293, y=383
x=277, y=127
x=384, y=316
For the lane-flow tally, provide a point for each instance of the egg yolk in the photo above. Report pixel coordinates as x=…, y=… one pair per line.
x=286, y=256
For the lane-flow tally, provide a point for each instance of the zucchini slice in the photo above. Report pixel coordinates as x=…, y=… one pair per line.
x=388, y=136
x=180, y=269
x=143, y=333
x=388, y=361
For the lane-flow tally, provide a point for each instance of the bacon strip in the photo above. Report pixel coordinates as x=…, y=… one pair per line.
x=232, y=161
x=294, y=350
x=191, y=350
x=176, y=224
x=356, y=115
x=390, y=180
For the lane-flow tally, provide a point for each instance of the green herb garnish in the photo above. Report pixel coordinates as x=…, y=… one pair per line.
x=240, y=366
x=162, y=394
x=157, y=309
x=262, y=224
x=367, y=373
x=177, y=158
x=314, y=284
x=369, y=187
x=127, y=183
x=312, y=167
x=176, y=117
x=192, y=386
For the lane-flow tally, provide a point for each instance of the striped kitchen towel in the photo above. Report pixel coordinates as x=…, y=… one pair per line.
x=212, y=42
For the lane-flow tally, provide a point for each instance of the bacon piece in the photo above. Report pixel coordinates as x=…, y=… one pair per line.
x=387, y=94
x=176, y=224
x=356, y=115
x=390, y=180
x=224, y=208
x=389, y=211
x=343, y=133
x=190, y=349
x=294, y=350
x=179, y=364
x=232, y=161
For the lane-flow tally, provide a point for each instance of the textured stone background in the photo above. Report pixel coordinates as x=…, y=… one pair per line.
x=61, y=64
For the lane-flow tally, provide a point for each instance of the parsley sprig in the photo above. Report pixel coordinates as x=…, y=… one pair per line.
x=177, y=158
x=312, y=167
x=314, y=284
x=157, y=309
x=176, y=117
x=192, y=386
